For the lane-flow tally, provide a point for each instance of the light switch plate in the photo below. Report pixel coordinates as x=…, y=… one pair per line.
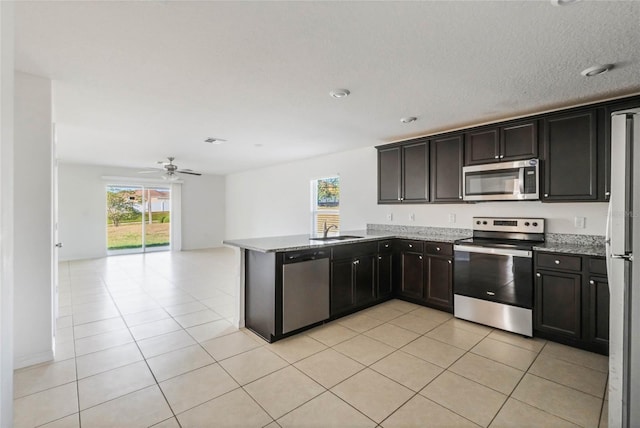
x=579, y=222
x=390, y=217
x=452, y=218
x=412, y=217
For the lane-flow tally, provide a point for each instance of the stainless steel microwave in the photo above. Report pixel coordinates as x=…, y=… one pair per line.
x=503, y=181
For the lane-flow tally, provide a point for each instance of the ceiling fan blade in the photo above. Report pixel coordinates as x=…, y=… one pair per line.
x=184, y=171
x=155, y=171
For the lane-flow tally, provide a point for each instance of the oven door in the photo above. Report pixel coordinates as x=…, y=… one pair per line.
x=495, y=274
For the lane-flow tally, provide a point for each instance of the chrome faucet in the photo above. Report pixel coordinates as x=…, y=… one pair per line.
x=327, y=229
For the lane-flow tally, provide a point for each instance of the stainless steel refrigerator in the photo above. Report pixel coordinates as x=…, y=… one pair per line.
x=623, y=241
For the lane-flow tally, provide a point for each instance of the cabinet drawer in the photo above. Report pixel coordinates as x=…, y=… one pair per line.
x=557, y=261
x=598, y=265
x=385, y=246
x=409, y=245
x=438, y=248
x=349, y=251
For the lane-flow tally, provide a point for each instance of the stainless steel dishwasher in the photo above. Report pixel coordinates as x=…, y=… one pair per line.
x=305, y=289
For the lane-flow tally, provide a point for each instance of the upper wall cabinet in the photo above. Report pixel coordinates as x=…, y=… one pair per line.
x=446, y=169
x=513, y=141
x=574, y=156
x=403, y=173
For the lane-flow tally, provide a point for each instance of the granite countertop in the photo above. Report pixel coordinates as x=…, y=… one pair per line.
x=303, y=242
x=571, y=248
x=588, y=245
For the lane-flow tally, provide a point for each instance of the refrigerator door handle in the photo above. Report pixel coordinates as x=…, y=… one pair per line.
x=627, y=257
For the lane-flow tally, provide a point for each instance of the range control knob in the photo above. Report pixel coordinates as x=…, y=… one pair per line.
x=526, y=223
x=535, y=224
x=484, y=222
x=478, y=222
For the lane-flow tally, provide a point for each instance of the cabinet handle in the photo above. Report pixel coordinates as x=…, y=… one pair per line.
x=592, y=282
x=607, y=193
x=356, y=262
x=402, y=199
x=449, y=261
x=386, y=245
x=501, y=156
x=379, y=258
x=437, y=248
x=410, y=245
x=460, y=197
x=546, y=195
x=420, y=257
x=538, y=275
x=496, y=157
x=557, y=262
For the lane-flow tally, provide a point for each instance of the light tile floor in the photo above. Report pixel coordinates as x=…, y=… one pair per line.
x=147, y=340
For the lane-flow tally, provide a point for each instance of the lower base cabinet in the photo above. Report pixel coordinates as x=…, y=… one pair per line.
x=572, y=300
x=353, y=278
x=425, y=273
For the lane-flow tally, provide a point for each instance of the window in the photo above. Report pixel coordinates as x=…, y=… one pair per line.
x=325, y=205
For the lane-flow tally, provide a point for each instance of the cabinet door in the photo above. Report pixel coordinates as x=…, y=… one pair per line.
x=598, y=314
x=557, y=303
x=446, y=169
x=412, y=274
x=415, y=175
x=342, y=295
x=481, y=146
x=519, y=141
x=570, y=157
x=365, y=280
x=389, y=176
x=385, y=275
x=439, y=284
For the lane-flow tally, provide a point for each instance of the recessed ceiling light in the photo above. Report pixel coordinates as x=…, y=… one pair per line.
x=340, y=93
x=213, y=140
x=408, y=119
x=596, y=69
x=563, y=2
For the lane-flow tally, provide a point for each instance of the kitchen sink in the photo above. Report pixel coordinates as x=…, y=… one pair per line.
x=335, y=238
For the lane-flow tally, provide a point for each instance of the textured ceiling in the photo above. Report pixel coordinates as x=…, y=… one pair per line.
x=137, y=81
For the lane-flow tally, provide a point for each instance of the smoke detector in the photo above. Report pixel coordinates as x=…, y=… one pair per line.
x=596, y=69
x=408, y=119
x=340, y=93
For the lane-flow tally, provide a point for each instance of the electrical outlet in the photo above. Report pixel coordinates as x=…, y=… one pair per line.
x=579, y=222
x=412, y=217
x=452, y=218
x=390, y=217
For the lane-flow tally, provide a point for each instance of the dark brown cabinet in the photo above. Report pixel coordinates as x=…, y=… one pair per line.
x=389, y=175
x=508, y=142
x=353, y=277
x=572, y=300
x=558, y=303
x=426, y=273
x=403, y=173
x=571, y=147
x=415, y=175
x=446, y=169
x=438, y=284
x=385, y=269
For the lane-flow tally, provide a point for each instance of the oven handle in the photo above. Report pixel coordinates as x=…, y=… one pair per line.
x=496, y=251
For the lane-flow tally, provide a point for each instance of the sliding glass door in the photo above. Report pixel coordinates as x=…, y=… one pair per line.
x=138, y=219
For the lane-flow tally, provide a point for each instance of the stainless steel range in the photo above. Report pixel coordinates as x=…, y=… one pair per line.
x=493, y=273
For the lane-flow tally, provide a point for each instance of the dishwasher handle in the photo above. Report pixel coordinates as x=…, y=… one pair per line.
x=297, y=257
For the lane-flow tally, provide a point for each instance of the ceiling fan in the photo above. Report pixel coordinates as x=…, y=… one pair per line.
x=171, y=170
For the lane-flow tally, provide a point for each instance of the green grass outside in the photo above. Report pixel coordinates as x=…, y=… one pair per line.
x=128, y=236
x=156, y=217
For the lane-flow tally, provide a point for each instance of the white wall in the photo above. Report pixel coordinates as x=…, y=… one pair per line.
x=276, y=201
x=82, y=215
x=6, y=213
x=33, y=246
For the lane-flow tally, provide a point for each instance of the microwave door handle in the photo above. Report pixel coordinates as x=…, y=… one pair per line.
x=521, y=180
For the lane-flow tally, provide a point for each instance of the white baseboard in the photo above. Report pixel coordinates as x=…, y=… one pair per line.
x=30, y=360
